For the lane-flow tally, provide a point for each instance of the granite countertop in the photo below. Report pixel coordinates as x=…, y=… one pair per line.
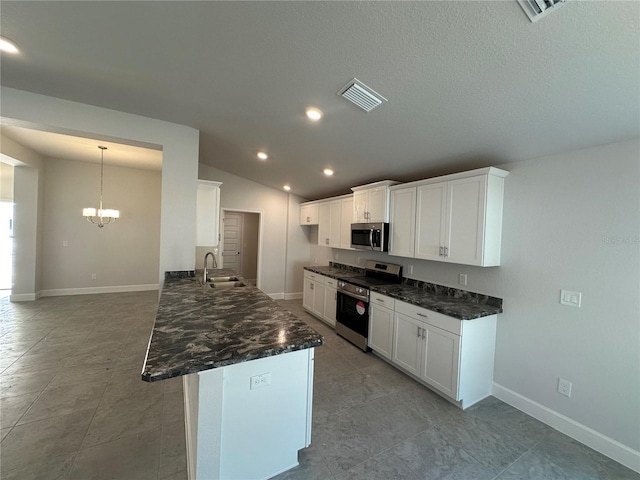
x=456, y=303
x=199, y=328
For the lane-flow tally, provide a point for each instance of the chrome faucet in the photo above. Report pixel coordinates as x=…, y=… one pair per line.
x=205, y=264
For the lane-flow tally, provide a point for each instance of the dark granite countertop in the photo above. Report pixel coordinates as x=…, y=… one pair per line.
x=456, y=303
x=198, y=328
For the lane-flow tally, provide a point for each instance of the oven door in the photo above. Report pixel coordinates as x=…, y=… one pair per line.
x=353, y=313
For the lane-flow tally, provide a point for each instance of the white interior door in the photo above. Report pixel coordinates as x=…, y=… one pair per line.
x=232, y=249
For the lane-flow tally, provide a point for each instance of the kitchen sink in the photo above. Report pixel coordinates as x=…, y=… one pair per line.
x=222, y=279
x=227, y=284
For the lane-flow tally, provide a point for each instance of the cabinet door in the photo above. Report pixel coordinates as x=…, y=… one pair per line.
x=330, y=304
x=441, y=360
x=207, y=216
x=309, y=214
x=318, y=299
x=335, y=221
x=360, y=199
x=377, y=205
x=381, y=330
x=464, y=238
x=307, y=294
x=345, y=224
x=403, y=222
x=324, y=224
x=431, y=208
x=407, y=343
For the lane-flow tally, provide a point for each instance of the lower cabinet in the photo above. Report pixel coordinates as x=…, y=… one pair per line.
x=381, y=324
x=330, y=301
x=319, y=296
x=313, y=293
x=455, y=357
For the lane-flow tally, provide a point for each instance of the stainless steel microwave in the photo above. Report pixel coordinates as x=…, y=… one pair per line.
x=370, y=236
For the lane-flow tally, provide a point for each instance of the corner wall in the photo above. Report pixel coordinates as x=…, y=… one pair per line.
x=179, y=160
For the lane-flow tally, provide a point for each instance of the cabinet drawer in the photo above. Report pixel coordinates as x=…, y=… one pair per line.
x=315, y=277
x=436, y=319
x=330, y=282
x=382, y=300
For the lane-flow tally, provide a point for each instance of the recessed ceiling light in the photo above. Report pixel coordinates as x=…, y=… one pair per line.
x=7, y=45
x=314, y=113
x=287, y=187
x=328, y=172
x=262, y=155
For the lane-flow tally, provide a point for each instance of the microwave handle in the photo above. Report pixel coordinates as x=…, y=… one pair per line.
x=371, y=238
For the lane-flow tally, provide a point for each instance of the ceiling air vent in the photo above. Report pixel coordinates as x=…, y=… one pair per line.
x=357, y=92
x=536, y=9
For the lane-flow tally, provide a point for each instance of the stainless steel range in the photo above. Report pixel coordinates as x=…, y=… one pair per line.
x=352, y=312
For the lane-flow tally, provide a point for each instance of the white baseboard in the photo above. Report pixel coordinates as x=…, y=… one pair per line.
x=91, y=290
x=276, y=296
x=293, y=296
x=25, y=297
x=601, y=443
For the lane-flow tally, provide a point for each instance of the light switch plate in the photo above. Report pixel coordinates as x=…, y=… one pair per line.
x=572, y=299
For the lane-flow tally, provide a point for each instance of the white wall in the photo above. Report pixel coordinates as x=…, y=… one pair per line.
x=6, y=182
x=125, y=253
x=179, y=158
x=571, y=221
x=284, y=248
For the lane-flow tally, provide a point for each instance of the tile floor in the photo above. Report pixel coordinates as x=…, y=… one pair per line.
x=72, y=406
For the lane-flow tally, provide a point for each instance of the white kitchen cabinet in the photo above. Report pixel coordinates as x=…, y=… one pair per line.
x=458, y=218
x=453, y=356
x=371, y=202
x=207, y=213
x=309, y=214
x=403, y=214
x=313, y=293
x=381, y=324
x=346, y=216
x=329, y=223
x=330, y=301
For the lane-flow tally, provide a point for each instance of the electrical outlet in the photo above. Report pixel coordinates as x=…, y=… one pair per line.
x=411, y=269
x=573, y=299
x=259, y=381
x=65, y=243
x=93, y=276
x=462, y=278
x=564, y=387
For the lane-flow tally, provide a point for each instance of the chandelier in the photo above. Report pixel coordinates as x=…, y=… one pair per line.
x=102, y=216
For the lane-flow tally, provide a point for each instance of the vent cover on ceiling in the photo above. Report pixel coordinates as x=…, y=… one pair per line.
x=536, y=9
x=357, y=92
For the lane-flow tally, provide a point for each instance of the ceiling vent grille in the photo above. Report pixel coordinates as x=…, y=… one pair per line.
x=358, y=93
x=536, y=9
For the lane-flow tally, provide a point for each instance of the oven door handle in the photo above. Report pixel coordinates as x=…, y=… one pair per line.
x=354, y=295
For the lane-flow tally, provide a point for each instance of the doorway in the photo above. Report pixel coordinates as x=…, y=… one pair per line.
x=241, y=243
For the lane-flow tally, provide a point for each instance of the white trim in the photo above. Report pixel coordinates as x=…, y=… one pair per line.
x=607, y=446
x=293, y=296
x=25, y=297
x=276, y=296
x=91, y=290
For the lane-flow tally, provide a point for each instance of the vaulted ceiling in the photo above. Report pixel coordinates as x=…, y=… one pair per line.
x=468, y=84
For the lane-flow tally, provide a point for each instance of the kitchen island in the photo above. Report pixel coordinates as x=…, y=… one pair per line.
x=247, y=371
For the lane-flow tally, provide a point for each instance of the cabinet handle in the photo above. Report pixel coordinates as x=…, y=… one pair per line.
x=311, y=286
x=441, y=252
x=424, y=333
x=308, y=219
x=326, y=241
x=419, y=332
x=421, y=315
x=379, y=300
x=446, y=251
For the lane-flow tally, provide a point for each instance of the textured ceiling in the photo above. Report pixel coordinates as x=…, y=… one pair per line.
x=469, y=83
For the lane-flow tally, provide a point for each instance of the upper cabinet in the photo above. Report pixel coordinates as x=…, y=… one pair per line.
x=371, y=202
x=207, y=213
x=345, y=223
x=458, y=218
x=309, y=214
x=329, y=218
